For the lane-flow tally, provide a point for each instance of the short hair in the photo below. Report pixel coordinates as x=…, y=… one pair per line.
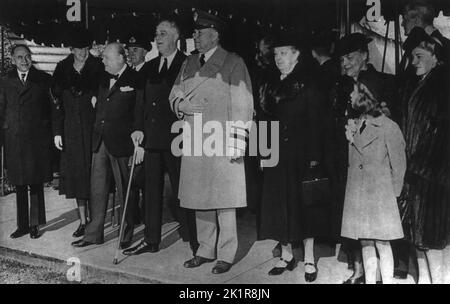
x=366, y=103
x=422, y=9
x=16, y=46
x=172, y=23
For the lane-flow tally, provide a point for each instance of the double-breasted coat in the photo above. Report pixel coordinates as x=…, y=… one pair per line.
x=377, y=165
x=25, y=116
x=73, y=119
x=223, y=85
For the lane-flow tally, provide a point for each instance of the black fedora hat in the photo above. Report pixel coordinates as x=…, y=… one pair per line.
x=351, y=43
x=288, y=38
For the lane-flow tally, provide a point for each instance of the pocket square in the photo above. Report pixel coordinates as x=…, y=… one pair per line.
x=126, y=89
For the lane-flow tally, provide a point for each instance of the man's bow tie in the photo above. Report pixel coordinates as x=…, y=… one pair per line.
x=115, y=77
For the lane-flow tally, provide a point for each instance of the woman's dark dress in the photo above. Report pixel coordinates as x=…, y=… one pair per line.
x=296, y=104
x=73, y=119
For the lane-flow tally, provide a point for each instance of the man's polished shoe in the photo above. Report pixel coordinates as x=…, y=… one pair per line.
x=221, y=267
x=311, y=276
x=196, y=261
x=354, y=281
x=125, y=244
x=19, y=232
x=81, y=243
x=279, y=270
x=34, y=232
x=142, y=247
x=80, y=231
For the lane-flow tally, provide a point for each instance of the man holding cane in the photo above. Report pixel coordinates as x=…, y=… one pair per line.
x=111, y=144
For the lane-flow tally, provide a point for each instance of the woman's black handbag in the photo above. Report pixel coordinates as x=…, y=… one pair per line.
x=316, y=189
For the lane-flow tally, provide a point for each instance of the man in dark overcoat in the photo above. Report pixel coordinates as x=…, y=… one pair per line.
x=25, y=116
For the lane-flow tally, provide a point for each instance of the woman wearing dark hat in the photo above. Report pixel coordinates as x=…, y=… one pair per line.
x=294, y=102
x=426, y=128
x=353, y=52
x=75, y=82
x=377, y=164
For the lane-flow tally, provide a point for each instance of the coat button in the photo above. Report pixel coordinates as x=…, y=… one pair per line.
x=107, y=99
x=360, y=167
x=285, y=128
x=286, y=139
x=154, y=104
x=153, y=120
x=103, y=121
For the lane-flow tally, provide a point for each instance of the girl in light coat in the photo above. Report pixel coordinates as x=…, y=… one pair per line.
x=377, y=165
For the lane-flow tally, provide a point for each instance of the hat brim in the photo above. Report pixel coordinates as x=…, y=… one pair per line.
x=145, y=47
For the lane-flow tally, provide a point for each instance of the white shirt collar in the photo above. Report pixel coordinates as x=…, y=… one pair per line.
x=169, y=60
x=112, y=81
x=20, y=74
x=139, y=66
x=209, y=53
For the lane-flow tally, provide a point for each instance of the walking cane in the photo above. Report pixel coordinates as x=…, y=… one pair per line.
x=125, y=210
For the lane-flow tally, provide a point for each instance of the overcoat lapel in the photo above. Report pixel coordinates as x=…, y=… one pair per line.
x=208, y=71
x=32, y=79
x=369, y=134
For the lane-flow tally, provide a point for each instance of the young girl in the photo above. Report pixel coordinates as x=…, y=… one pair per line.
x=377, y=165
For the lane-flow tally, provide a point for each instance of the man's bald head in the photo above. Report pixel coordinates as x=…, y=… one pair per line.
x=114, y=57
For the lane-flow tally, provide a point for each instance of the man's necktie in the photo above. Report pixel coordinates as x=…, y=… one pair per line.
x=164, y=67
x=22, y=77
x=115, y=77
x=202, y=59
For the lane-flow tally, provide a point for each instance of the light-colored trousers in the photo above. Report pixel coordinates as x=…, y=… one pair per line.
x=217, y=226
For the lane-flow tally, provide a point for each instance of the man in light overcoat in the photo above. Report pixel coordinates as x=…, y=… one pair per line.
x=213, y=86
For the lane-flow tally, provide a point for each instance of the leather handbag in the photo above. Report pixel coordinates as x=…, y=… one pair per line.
x=316, y=188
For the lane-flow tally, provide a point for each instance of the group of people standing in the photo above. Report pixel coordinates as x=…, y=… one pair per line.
x=381, y=141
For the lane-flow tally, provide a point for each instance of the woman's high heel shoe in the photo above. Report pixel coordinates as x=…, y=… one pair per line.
x=290, y=265
x=311, y=276
x=80, y=231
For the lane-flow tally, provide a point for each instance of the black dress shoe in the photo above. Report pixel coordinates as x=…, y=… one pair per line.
x=279, y=270
x=124, y=245
x=354, y=281
x=311, y=276
x=221, y=267
x=80, y=231
x=19, y=232
x=142, y=247
x=196, y=261
x=34, y=232
x=81, y=243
